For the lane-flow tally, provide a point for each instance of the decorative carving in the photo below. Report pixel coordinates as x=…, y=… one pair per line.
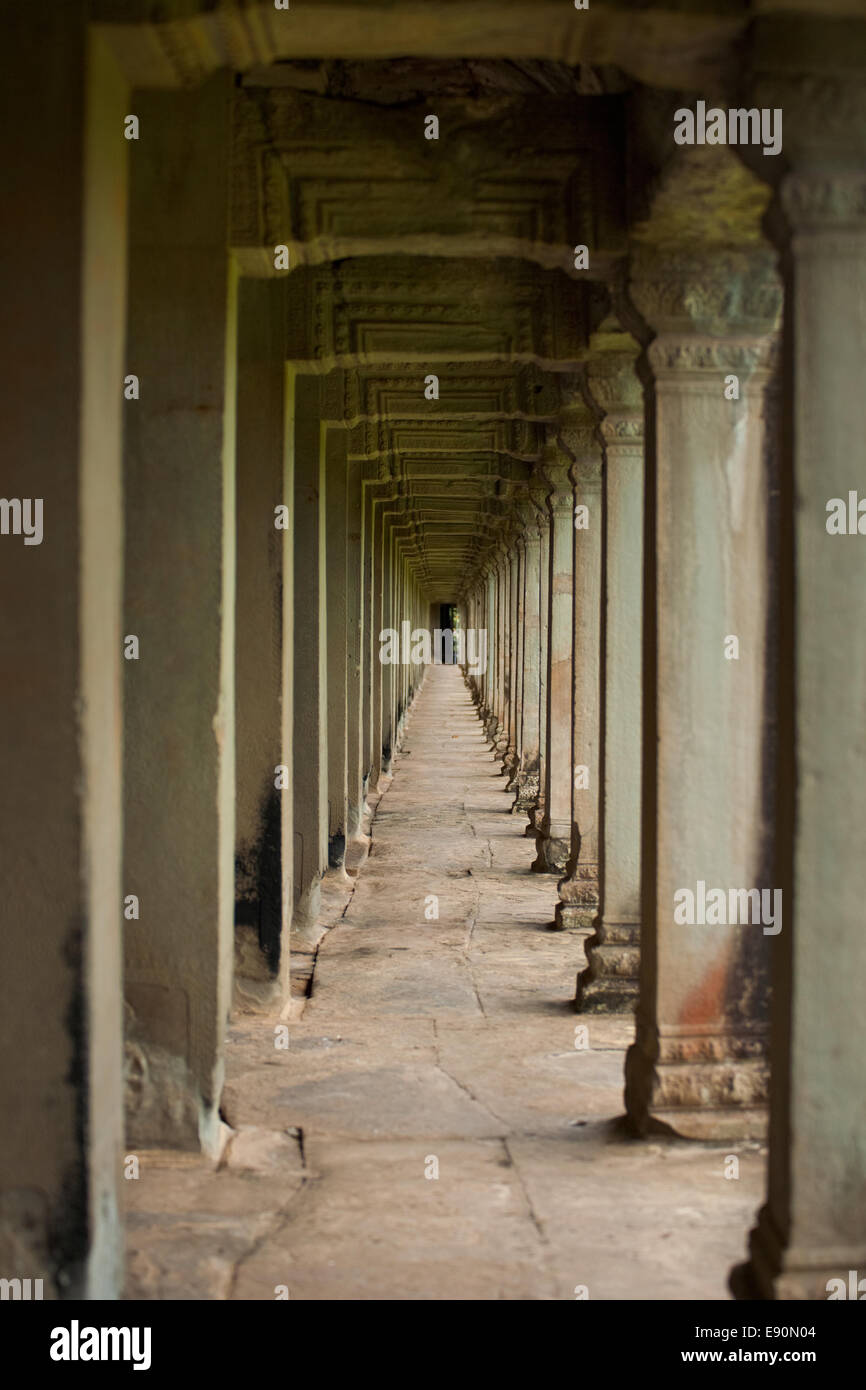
x=825, y=200
x=714, y=294
x=579, y=442
x=691, y=353
x=622, y=429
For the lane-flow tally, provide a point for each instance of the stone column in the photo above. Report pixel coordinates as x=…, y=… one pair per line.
x=358, y=843
x=554, y=835
x=388, y=673
x=515, y=615
x=387, y=622
x=180, y=604
x=527, y=772
x=492, y=723
x=504, y=651
x=377, y=601
x=492, y=647
x=336, y=441
x=63, y=289
x=699, y=1061
x=370, y=648
x=536, y=813
x=578, y=891
x=310, y=771
x=812, y=1229
x=610, y=982
x=263, y=874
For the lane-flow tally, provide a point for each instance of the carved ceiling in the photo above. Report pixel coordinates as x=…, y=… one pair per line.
x=457, y=257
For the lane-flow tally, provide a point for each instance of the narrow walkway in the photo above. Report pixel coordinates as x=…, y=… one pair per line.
x=432, y=1131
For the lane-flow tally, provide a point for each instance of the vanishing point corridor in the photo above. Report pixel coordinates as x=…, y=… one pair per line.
x=446, y=1047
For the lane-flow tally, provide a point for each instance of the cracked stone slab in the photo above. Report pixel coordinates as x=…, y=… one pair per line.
x=374, y=1228
x=386, y=1102
x=406, y=982
x=655, y=1221
x=188, y=1223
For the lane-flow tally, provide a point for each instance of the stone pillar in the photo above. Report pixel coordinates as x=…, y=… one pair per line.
x=503, y=609
x=554, y=835
x=180, y=604
x=698, y=1064
x=310, y=774
x=370, y=648
x=527, y=772
x=515, y=616
x=386, y=737
x=263, y=873
x=493, y=696
x=377, y=602
x=812, y=1229
x=336, y=441
x=578, y=891
x=610, y=982
x=492, y=646
x=63, y=287
x=536, y=813
x=358, y=843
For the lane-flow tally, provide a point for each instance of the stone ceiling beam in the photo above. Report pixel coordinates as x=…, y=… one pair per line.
x=666, y=45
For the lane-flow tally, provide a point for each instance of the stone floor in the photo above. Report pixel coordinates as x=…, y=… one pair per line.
x=439, y=1046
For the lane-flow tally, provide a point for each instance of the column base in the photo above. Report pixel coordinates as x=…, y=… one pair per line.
x=163, y=1102
x=610, y=982
x=536, y=819
x=697, y=1085
x=795, y=1274
x=571, y=917
x=527, y=794
x=357, y=854
x=306, y=914
x=553, y=852
x=336, y=850
x=577, y=908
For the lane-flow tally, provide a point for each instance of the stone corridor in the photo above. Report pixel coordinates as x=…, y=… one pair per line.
x=451, y=1039
x=342, y=332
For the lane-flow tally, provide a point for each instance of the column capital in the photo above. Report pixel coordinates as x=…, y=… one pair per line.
x=729, y=293
x=816, y=200
x=613, y=385
x=577, y=437
x=555, y=468
x=527, y=509
x=700, y=356
x=813, y=71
